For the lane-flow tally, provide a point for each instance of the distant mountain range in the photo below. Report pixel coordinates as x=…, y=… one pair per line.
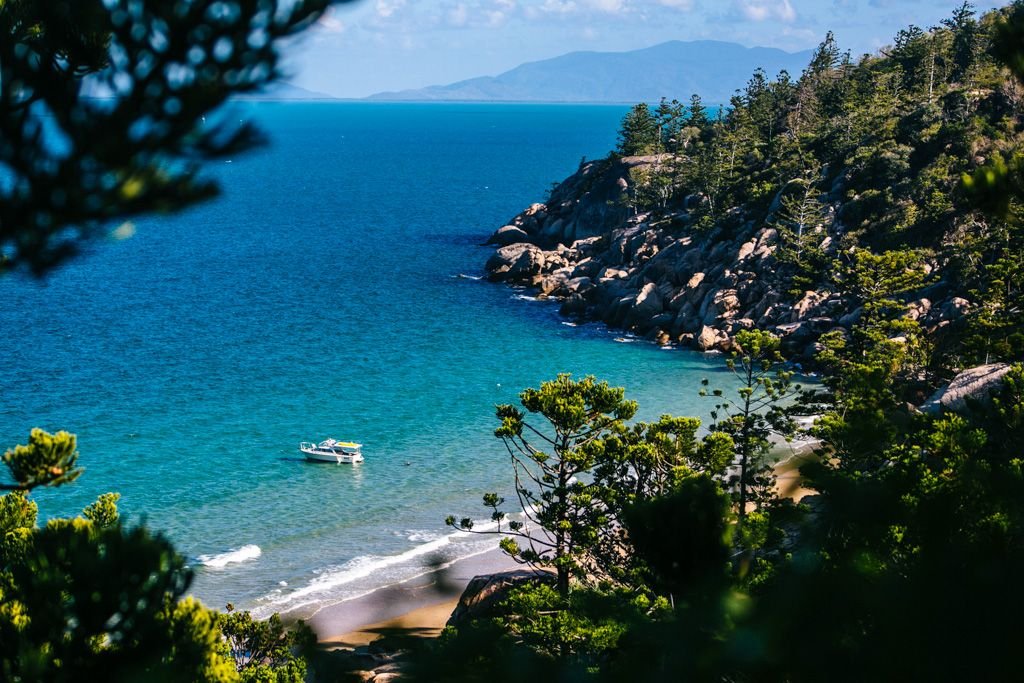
x=675, y=69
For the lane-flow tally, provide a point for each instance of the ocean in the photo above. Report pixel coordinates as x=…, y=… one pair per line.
x=333, y=290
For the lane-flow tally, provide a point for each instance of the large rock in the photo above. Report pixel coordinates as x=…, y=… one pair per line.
x=573, y=305
x=695, y=281
x=485, y=593
x=720, y=305
x=554, y=284
x=536, y=210
x=954, y=309
x=553, y=230
x=765, y=243
x=746, y=249
x=613, y=274
x=710, y=339
x=918, y=309
x=807, y=303
x=518, y=263
x=529, y=264
x=502, y=260
x=647, y=305
x=508, y=234
x=687, y=320
x=976, y=384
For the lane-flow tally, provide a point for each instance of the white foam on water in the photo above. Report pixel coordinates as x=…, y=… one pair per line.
x=329, y=584
x=525, y=297
x=243, y=554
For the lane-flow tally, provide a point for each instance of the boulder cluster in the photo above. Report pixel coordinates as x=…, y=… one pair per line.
x=662, y=279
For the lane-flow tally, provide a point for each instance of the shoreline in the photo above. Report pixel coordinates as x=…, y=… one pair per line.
x=419, y=606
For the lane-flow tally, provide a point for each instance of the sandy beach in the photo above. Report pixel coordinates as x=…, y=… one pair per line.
x=788, y=482
x=422, y=605
x=417, y=607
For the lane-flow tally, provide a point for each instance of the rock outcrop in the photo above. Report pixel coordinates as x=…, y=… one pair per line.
x=663, y=278
x=976, y=384
x=484, y=593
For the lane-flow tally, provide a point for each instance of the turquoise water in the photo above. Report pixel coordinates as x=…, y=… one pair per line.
x=320, y=296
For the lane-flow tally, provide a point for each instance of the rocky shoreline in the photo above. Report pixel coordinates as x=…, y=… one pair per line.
x=660, y=278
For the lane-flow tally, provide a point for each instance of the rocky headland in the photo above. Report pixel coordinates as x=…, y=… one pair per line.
x=660, y=277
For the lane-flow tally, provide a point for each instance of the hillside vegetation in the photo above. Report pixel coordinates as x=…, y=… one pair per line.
x=797, y=206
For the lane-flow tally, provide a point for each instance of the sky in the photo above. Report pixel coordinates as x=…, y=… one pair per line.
x=370, y=46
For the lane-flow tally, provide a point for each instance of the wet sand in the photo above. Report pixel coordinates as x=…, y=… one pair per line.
x=422, y=605
x=417, y=607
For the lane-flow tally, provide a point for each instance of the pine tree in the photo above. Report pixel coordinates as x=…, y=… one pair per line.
x=800, y=213
x=638, y=134
x=910, y=51
x=698, y=113
x=669, y=116
x=825, y=56
x=751, y=418
x=552, y=459
x=965, y=41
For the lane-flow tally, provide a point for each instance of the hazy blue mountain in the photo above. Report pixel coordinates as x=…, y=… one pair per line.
x=675, y=70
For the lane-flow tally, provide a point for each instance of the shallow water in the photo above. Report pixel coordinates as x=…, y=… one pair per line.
x=320, y=296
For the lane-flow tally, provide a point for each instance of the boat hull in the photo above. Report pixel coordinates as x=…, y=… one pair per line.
x=338, y=458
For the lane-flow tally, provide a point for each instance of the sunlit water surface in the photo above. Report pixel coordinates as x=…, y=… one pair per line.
x=323, y=295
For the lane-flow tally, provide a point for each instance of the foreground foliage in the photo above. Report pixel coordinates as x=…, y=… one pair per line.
x=73, y=163
x=89, y=599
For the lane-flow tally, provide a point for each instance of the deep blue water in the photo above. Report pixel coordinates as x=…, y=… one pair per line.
x=319, y=296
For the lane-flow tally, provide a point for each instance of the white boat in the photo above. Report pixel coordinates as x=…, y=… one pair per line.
x=329, y=450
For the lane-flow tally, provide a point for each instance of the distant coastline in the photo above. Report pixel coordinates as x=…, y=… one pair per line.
x=714, y=69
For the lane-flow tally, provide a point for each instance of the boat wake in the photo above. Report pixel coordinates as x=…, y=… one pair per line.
x=243, y=554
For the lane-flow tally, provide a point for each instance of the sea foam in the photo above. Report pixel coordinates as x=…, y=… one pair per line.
x=243, y=554
x=330, y=584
